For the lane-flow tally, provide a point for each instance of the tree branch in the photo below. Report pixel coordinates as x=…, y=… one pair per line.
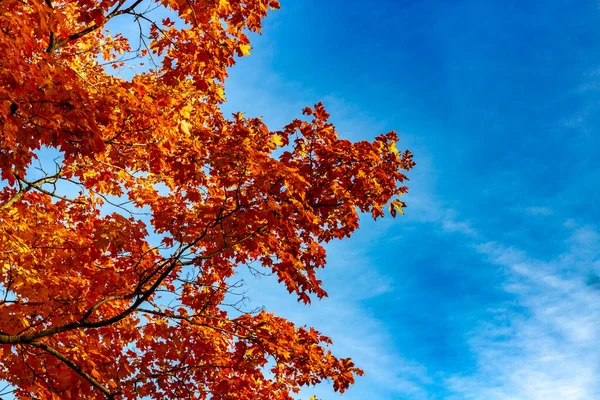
x=75, y=368
x=27, y=188
x=142, y=295
x=91, y=28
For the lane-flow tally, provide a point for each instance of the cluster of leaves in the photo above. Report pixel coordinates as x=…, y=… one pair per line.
x=91, y=307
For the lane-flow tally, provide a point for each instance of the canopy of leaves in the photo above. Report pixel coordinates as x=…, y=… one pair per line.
x=115, y=265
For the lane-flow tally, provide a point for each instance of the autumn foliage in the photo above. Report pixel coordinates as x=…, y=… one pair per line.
x=128, y=201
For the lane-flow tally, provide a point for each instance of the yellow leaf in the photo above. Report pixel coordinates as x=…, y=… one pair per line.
x=185, y=127
x=224, y=4
x=393, y=148
x=277, y=140
x=186, y=111
x=245, y=49
x=220, y=92
x=397, y=205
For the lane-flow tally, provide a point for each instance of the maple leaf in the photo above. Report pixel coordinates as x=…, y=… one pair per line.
x=278, y=140
x=245, y=49
x=396, y=207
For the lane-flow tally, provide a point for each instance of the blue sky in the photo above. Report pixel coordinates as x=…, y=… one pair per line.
x=484, y=289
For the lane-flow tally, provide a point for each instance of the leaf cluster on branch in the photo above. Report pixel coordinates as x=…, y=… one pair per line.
x=117, y=266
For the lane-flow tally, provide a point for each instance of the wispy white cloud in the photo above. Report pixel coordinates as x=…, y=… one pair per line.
x=544, y=344
x=449, y=224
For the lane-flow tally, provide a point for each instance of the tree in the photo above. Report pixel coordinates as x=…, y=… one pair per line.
x=115, y=265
